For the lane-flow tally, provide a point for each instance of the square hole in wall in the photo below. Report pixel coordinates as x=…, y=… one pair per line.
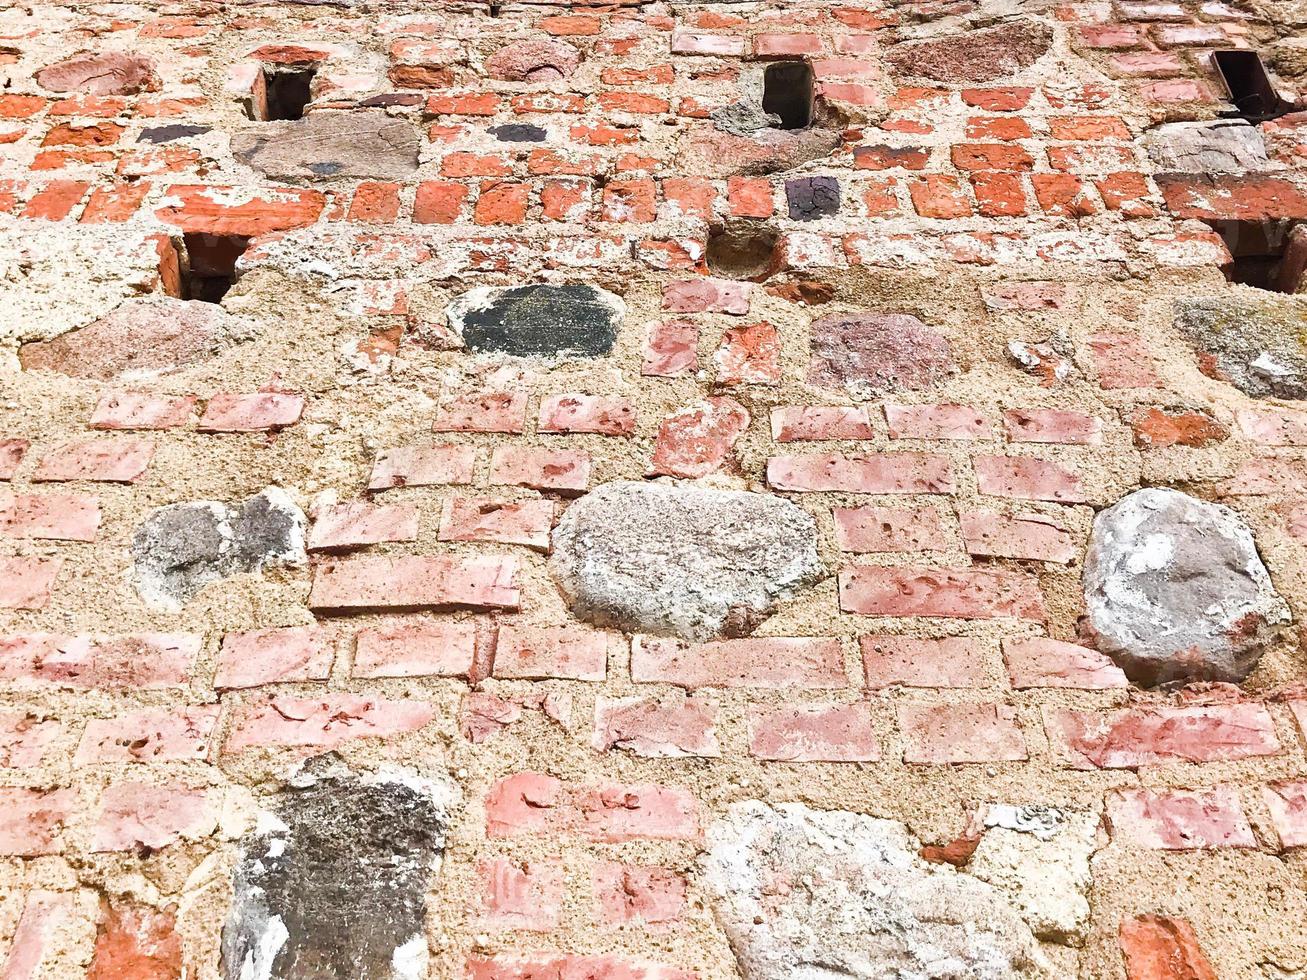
x=208, y=267
x=283, y=93
x=1248, y=85
x=1261, y=253
x=787, y=91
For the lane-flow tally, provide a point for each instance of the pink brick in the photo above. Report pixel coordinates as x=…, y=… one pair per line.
x=570, y=966
x=256, y=412
x=813, y=733
x=525, y=895
x=102, y=460
x=819, y=423
x=958, y=593
x=955, y=733
x=890, y=529
x=271, y=656
x=1122, y=361
x=560, y=470
x=353, y=524
x=1042, y=662
x=12, y=452
x=32, y=820
x=529, y=802
x=951, y=661
x=1033, y=537
x=26, y=739
x=325, y=722
x=151, y=735
x=749, y=354
x=54, y=516
x=143, y=661
x=698, y=42
x=1027, y=478
x=416, y=582
x=416, y=647
x=1299, y=709
x=25, y=583
x=767, y=662
x=706, y=295
x=698, y=439
x=603, y=415
x=1179, y=819
x=873, y=473
x=133, y=410
x=484, y=411
x=526, y=803
x=35, y=947
x=937, y=422
x=136, y=816
x=670, y=348
x=482, y=519
x=422, y=466
x=540, y=652
x=1267, y=477
x=1144, y=736
x=1052, y=425
x=786, y=44
x=1288, y=805
x=656, y=729
x=1281, y=427
x=636, y=893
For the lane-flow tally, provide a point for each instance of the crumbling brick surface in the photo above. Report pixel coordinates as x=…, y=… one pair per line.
x=319, y=521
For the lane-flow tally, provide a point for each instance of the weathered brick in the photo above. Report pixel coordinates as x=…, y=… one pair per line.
x=890, y=529
x=560, y=470
x=632, y=893
x=749, y=354
x=959, y=733
x=952, y=661
x=1179, y=820
x=766, y=662
x=142, y=661
x=12, y=452
x=959, y=593
x=1287, y=802
x=565, y=966
x=32, y=821
x=656, y=729
x=1042, y=662
x=1122, y=361
x=529, y=803
x=601, y=414
x=1052, y=425
x=813, y=733
x=415, y=582
x=936, y=422
x=486, y=411
x=536, y=653
x=1027, y=478
x=56, y=516
x=416, y=647
x=873, y=473
x=270, y=656
x=1161, y=948
x=670, y=348
x=351, y=525
x=1280, y=427
x=820, y=423
x=175, y=735
x=325, y=722
x=525, y=895
x=525, y=522
x=131, y=410
x=99, y=460
x=698, y=439
x=422, y=466
x=237, y=211
x=26, y=738
x=257, y=412
x=26, y=583
x=706, y=295
x=136, y=816
x=1143, y=736
x=1028, y=536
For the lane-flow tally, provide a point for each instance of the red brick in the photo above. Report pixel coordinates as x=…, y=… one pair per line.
x=32, y=820
x=463, y=164
x=1179, y=820
x=1161, y=948
x=631, y=893
x=540, y=652
x=939, y=196
x=1033, y=537
x=416, y=647
x=173, y=735
x=764, y=662
x=422, y=466
x=559, y=470
x=749, y=355
x=20, y=106
x=997, y=99
x=1122, y=361
x=200, y=208
x=952, y=661
x=375, y=202
x=999, y=194
x=56, y=200
x=35, y=944
x=997, y=128
x=415, y=582
x=872, y=473
x=1128, y=193
x=1267, y=477
x=1110, y=36
x=25, y=583
x=670, y=348
x=501, y=203
x=101, y=460
x=750, y=197
x=1287, y=802
x=525, y=895
x=351, y=525
x=56, y=516
x=138, y=941
x=12, y=452
x=529, y=802
x=656, y=729
x=131, y=410
x=26, y=739
x=143, y=661
x=270, y=656
x=601, y=414
x=438, y=202
x=463, y=104
x=325, y=722
x=698, y=439
x=526, y=522
x=820, y=423
x=565, y=199
x=937, y=422
x=258, y=412
x=959, y=733
x=483, y=411
x=138, y=816
x=1052, y=425
x=990, y=156
x=112, y=204
x=707, y=295
x=1216, y=197
x=695, y=42
x=884, y=157
x=629, y=200
x=890, y=529
x=570, y=966
x=1027, y=478
x=1042, y=662
x=958, y=593
x=1144, y=736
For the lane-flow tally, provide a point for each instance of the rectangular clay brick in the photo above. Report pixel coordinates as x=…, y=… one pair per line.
x=1043, y=662
x=26, y=738
x=1287, y=802
x=560, y=470
x=25, y=583
x=141, y=816
x=960, y=593
x=324, y=722
x=941, y=734
x=539, y=652
x=533, y=803
x=12, y=452
x=766, y=662
x=259, y=411
x=818, y=423
x=654, y=728
x=1027, y=478
x=952, y=661
x=422, y=466
x=415, y=582
x=416, y=646
x=565, y=966
x=102, y=460
x=1052, y=425
x=1144, y=735
x=131, y=410
x=813, y=733
x=1280, y=427
x=636, y=893
x=1033, y=537
x=524, y=522
x=356, y=523
x=875, y=473
x=1179, y=819
x=34, y=820
x=891, y=529
x=486, y=411
x=171, y=735
x=141, y=661
x=937, y=422
x=519, y=895
x=269, y=656
x=600, y=414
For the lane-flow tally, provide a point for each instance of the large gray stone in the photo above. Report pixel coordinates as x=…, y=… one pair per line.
x=538, y=320
x=332, y=882
x=1258, y=344
x=1175, y=590
x=140, y=338
x=181, y=548
x=682, y=561
x=809, y=894
x=872, y=353
x=1227, y=145
x=331, y=144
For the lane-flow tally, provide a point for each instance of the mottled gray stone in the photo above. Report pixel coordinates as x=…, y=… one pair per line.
x=872, y=353
x=1258, y=344
x=181, y=548
x=680, y=560
x=1175, y=590
x=808, y=894
x=974, y=56
x=330, y=144
x=139, y=338
x=1228, y=145
x=538, y=320
x=332, y=882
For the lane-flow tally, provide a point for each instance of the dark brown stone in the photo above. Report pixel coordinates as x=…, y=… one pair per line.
x=976, y=56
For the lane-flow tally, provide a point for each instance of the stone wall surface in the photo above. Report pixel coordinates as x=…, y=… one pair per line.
x=596, y=532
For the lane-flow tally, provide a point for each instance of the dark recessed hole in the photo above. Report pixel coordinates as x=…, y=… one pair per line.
x=1249, y=85
x=741, y=250
x=1258, y=250
x=787, y=91
x=286, y=91
x=209, y=269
